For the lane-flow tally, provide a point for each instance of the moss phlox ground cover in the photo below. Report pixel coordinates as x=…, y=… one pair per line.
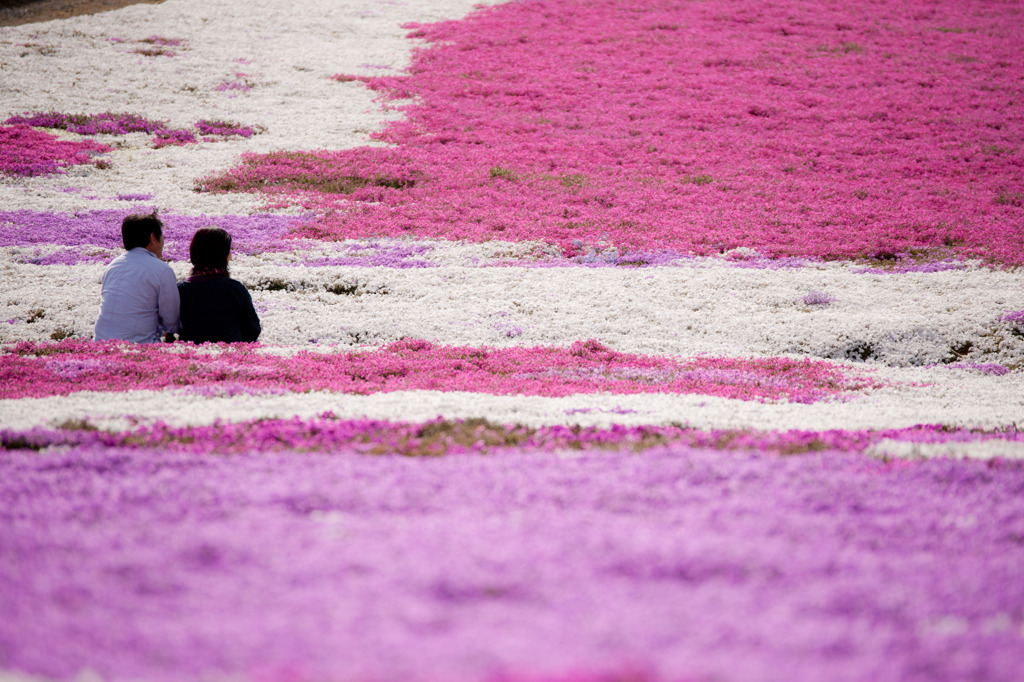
x=788, y=128
x=252, y=234
x=37, y=370
x=173, y=565
x=615, y=341
x=329, y=433
x=25, y=151
x=122, y=124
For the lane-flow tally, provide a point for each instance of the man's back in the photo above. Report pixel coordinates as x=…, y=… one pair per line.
x=140, y=298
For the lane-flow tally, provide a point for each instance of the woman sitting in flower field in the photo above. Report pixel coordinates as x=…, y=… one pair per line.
x=215, y=307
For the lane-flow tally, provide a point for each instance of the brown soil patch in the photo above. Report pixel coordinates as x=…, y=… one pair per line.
x=15, y=12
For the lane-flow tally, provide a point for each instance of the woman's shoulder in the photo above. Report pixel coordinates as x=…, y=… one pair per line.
x=213, y=285
x=238, y=288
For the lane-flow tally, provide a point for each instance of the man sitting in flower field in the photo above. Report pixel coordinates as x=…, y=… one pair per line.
x=140, y=293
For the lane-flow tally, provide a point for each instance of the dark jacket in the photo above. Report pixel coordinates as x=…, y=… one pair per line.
x=216, y=308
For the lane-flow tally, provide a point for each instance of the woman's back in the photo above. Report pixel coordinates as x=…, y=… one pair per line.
x=216, y=308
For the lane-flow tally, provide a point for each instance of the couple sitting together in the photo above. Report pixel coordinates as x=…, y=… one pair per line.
x=142, y=301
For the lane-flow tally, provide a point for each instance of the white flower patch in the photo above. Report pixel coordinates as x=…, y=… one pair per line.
x=7, y=676
x=706, y=307
x=980, y=449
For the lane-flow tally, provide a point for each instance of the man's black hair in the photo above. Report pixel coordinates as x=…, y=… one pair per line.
x=136, y=229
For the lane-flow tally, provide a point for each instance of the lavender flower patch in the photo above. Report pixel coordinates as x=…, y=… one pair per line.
x=817, y=298
x=251, y=234
x=784, y=263
x=64, y=255
x=907, y=267
x=645, y=258
x=681, y=564
x=991, y=368
x=388, y=254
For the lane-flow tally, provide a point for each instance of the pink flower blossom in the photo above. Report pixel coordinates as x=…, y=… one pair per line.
x=42, y=369
x=28, y=152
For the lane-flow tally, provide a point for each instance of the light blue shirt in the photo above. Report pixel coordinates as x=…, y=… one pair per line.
x=140, y=298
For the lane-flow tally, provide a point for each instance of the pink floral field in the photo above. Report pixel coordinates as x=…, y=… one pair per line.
x=34, y=370
x=793, y=128
x=243, y=512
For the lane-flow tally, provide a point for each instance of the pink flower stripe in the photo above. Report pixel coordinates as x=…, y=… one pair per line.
x=798, y=129
x=46, y=369
x=328, y=433
x=27, y=152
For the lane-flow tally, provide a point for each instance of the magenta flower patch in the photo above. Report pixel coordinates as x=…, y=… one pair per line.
x=35, y=370
x=224, y=129
x=165, y=138
x=690, y=127
x=26, y=152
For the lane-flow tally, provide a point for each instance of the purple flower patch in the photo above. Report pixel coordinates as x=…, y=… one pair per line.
x=685, y=564
x=1016, y=317
x=990, y=368
x=224, y=129
x=165, y=138
x=252, y=234
x=817, y=298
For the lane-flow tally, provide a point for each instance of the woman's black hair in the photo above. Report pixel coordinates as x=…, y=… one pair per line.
x=136, y=229
x=210, y=248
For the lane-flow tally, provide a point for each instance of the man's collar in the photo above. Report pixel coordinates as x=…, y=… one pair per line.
x=143, y=249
